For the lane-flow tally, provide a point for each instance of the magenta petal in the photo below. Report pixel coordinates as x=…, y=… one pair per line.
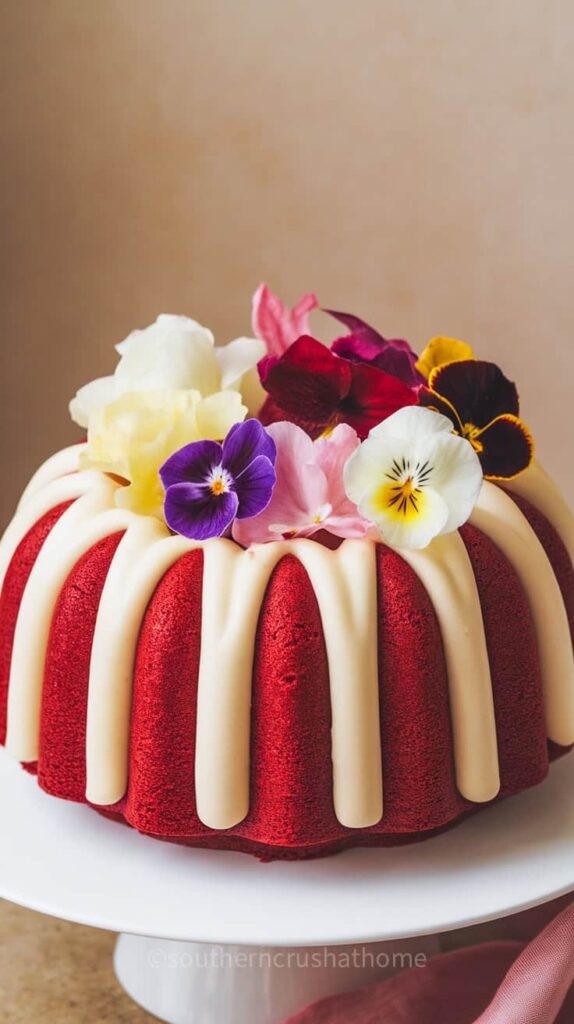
x=254, y=487
x=365, y=345
x=193, y=511
x=365, y=331
x=400, y=364
x=362, y=330
x=193, y=463
x=356, y=325
x=244, y=442
x=358, y=348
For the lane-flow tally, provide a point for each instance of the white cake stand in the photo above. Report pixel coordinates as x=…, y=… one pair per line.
x=230, y=937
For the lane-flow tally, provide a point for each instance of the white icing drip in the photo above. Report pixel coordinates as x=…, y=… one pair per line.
x=59, y=465
x=143, y=556
x=77, y=530
x=234, y=585
x=497, y=516
x=235, y=581
x=55, y=493
x=540, y=490
x=233, y=590
x=345, y=584
x=445, y=570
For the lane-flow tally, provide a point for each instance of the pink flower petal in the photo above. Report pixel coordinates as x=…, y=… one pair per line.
x=332, y=453
x=277, y=326
x=309, y=494
x=299, y=489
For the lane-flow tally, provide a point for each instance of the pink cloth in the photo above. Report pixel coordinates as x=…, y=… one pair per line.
x=532, y=985
x=537, y=984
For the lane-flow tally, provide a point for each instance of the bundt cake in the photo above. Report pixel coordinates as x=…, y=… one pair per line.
x=299, y=678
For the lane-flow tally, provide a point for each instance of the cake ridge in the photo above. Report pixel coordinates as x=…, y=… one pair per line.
x=153, y=550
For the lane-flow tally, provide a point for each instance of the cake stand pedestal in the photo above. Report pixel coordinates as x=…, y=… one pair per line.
x=220, y=938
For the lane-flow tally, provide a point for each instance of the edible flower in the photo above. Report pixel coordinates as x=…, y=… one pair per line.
x=276, y=325
x=414, y=478
x=483, y=407
x=309, y=494
x=208, y=485
x=175, y=353
x=442, y=350
x=134, y=435
x=317, y=389
x=365, y=345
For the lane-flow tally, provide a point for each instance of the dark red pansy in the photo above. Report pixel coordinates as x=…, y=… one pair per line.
x=365, y=345
x=483, y=406
x=506, y=444
x=317, y=389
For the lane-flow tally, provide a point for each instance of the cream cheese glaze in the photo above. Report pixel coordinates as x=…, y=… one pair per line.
x=234, y=585
x=540, y=490
x=77, y=530
x=59, y=465
x=345, y=584
x=496, y=515
x=445, y=570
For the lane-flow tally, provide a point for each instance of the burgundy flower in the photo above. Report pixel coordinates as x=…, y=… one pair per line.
x=208, y=485
x=317, y=389
x=365, y=345
x=483, y=406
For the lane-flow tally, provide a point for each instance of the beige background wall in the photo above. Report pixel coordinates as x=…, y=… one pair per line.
x=410, y=160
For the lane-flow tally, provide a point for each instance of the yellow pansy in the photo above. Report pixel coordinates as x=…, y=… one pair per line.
x=442, y=350
x=133, y=436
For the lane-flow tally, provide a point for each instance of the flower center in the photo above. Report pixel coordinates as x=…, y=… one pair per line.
x=470, y=432
x=322, y=513
x=219, y=481
x=404, y=494
x=327, y=431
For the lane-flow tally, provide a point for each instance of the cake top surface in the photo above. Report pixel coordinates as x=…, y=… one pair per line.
x=278, y=435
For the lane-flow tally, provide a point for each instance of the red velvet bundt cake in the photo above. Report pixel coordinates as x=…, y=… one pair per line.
x=299, y=678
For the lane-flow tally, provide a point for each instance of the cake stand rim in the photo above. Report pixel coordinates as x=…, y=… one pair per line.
x=62, y=859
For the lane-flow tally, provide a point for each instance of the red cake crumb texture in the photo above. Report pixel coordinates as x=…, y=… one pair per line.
x=291, y=803
x=11, y=596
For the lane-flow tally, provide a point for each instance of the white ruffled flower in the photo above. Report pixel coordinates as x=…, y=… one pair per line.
x=413, y=478
x=175, y=353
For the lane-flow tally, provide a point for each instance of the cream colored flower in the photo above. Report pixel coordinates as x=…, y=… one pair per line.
x=175, y=353
x=414, y=478
x=134, y=435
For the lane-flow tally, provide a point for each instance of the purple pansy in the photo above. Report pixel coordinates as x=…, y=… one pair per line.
x=208, y=485
x=365, y=345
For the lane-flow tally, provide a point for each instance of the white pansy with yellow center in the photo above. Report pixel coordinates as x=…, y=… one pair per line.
x=175, y=353
x=413, y=478
x=133, y=436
